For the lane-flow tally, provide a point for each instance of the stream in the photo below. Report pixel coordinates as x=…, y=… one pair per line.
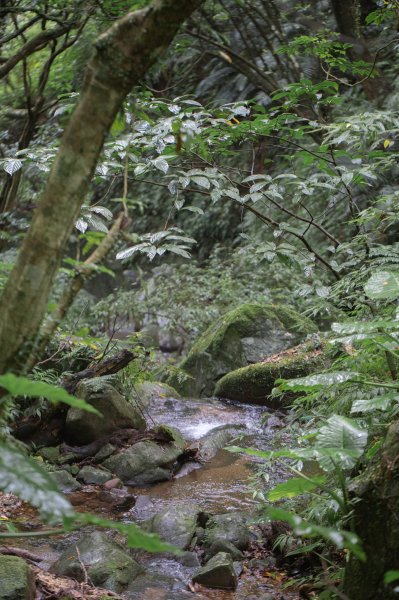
x=220, y=485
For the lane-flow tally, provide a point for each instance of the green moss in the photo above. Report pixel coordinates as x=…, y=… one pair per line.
x=253, y=384
x=16, y=579
x=220, y=349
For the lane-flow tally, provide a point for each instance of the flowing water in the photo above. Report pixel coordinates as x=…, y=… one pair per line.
x=220, y=485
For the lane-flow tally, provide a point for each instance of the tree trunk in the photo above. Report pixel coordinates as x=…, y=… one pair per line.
x=349, y=15
x=122, y=56
x=376, y=521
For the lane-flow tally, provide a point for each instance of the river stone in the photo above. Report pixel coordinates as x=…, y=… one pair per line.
x=242, y=336
x=65, y=482
x=147, y=462
x=218, y=573
x=83, y=428
x=50, y=453
x=17, y=581
x=230, y=527
x=253, y=384
x=89, y=474
x=175, y=524
x=220, y=545
x=147, y=391
x=106, y=563
x=156, y=585
x=218, y=438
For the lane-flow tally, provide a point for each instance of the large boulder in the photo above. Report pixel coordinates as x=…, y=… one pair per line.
x=147, y=461
x=105, y=562
x=83, y=428
x=176, y=524
x=253, y=384
x=241, y=337
x=17, y=580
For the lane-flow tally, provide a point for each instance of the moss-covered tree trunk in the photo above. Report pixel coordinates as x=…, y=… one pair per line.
x=121, y=57
x=376, y=516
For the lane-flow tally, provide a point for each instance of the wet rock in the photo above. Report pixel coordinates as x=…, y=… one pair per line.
x=145, y=586
x=189, y=559
x=143, y=506
x=65, y=482
x=224, y=546
x=89, y=474
x=176, y=524
x=83, y=428
x=242, y=336
x=218, y=573
x=106, y=563
x=230, y=527
x=146, y=461
x=218, y=438
x=149, y=390
x=254, y=383
x=118, y=499
x=112, y=484
x=17, y=581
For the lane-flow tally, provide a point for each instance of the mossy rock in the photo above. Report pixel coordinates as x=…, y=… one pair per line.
x=17, y=580
x=242, y=336
x=253, y=384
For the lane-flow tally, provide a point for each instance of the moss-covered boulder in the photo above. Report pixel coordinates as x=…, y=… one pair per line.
x=17, y=580
x=241, y=337
x=253, y=384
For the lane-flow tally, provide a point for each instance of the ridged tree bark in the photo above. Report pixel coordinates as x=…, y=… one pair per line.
x=121, y=57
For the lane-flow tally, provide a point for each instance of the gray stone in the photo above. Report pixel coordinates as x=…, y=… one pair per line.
x=105, y=452
x=83, y=428
x=146, y=462
x=147, y=391
x=145, y=586
x=224, y=546
x=218, y=573
x=188, y=559
x=65, y=482
x=51, y=453
x=230, y=527
x=106, y=563
x=89, y=474
x=17, y=581
x=176, y=524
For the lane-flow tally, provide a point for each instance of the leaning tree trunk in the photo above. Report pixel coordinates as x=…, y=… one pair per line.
x=376, y=520
x=122, y=56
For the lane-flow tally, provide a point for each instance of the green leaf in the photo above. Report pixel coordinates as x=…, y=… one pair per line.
x=340, y=538
x=317, y=381
x=23, y=477
x=391, y=576
x=345, y=436
x=296, y=486
x=383, y=285
x=365, y=405
x=22, y=386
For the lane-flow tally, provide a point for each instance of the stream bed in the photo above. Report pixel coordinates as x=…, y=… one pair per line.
x=220, y=485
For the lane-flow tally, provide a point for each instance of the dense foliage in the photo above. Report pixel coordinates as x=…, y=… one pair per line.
x=257, y=161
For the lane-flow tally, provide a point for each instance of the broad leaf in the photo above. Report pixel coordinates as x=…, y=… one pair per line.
x=22, y=386
x=319, y=380
x=383, y=285
x=345, y=436
x=23, y=477
x=296, y=486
